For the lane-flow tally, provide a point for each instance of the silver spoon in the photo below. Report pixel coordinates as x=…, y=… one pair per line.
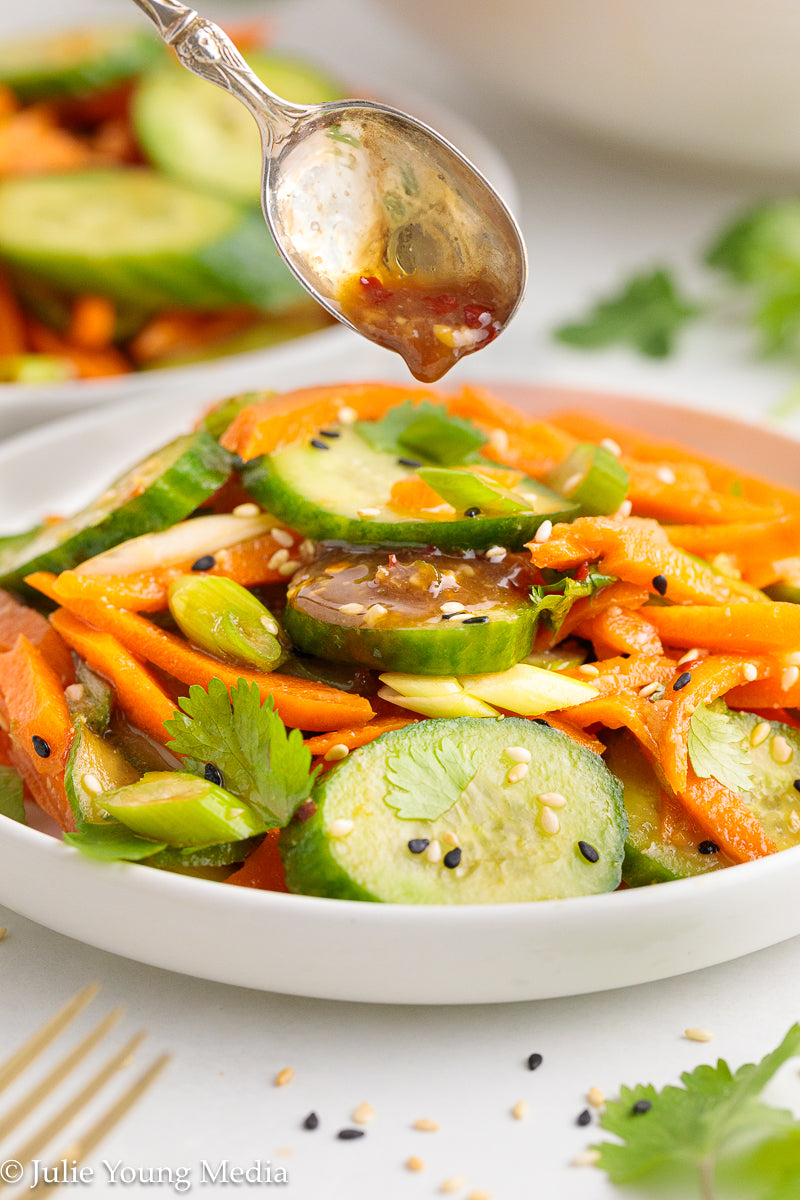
x=385, y=223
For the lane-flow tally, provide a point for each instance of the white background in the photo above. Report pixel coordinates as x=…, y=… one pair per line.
x=588, y=215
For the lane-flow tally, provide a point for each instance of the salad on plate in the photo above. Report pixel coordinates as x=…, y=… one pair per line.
x=384, y=643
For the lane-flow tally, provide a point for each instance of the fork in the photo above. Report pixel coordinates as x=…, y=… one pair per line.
x=15, y=1163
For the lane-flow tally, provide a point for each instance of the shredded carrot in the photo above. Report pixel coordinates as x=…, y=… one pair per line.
x=92, y=323
x=12, y=323
x=31, y=142
x=17, y=618
x=356, y=735
x=757, y=628
x=618, y=630
x=263, y=868
x=89, y=364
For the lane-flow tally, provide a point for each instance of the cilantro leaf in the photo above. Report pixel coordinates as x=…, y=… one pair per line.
x=261, y=762
x=694, y=1125
x=423, y=785
x=425, y=429
x=716, y=749
x=647, y=314
x=554, y=600
x=775, y=1163
x=111, y=842
x=11, y=795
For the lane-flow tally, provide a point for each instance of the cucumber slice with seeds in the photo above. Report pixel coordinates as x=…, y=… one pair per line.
x=141, y=239
x=356, y=847
x=339, y=489
x=399, y=623
x=76, y=62
x=160, y=491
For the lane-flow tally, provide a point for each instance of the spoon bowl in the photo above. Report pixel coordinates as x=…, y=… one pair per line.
x=385, y=223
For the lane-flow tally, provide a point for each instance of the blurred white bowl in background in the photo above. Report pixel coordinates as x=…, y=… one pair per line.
x=716, y=80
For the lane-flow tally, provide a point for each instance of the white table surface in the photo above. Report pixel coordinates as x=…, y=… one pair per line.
x=589, y=216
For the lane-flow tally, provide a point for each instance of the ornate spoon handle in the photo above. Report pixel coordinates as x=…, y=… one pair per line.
x=205, y=50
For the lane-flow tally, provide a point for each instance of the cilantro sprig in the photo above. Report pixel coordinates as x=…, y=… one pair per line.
x=554, y=600
x=710, y=1132
x=261, y=761
x=423, y=785
x=11, y=794
x=716, y=749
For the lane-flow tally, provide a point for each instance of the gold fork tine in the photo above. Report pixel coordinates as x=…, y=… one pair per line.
x=40, y=1139
x=60, y=1072
x=26, y=1054
x=104, y=1124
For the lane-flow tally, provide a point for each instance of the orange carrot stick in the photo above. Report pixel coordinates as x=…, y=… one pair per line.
x=758, y=628
x=89, y=364
x=618, y=630
x=356, y=735
x=17, y=618
x=92, y=322
x=263, y=868
x=12, y=324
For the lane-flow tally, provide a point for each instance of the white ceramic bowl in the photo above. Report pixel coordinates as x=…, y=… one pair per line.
x=711, y=79
x=371, y=952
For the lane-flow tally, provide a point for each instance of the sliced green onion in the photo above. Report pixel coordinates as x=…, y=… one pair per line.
x=593, y=478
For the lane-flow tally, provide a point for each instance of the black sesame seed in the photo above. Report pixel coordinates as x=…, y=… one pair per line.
x=318, y=445
x=329, y=433
x=641, y=1106
x=583, y=1118
x=534, y=1061
x=452, y=858
x=660, y=584
x=796, y=785
x=204, y=563
x=349, y=1135
x=589, y=852
x=409, y=462
x=472, y=512
x=417, y=845
x=682, y=681
x=213, y=774
x=449, y=616
x=475, y=621
x=40, y=746
x=708, y=847
x=541, y=721
x=311, y=1121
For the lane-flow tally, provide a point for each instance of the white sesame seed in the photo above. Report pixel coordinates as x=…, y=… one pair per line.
x=589, y=669
x=337, y=752
x=666, y=475
x=543, y=532
x=698, y=1034
x=74, y=692
x=499, y=439
x=451, y=606
x=496, y=552
x=453, y=1184
x=450, y=838
x=517, y=773
x=553, y=799
x=794, y=822
x=426, y=1125
x=278, y=558
x=781, y=750
x=750, y=671
x=91, y=784
x=364, y=1113
x=433, y=853
x=248, y=510
x=283, y=1077
x=789, y=677
x=518, y=754
x=480, y=1196
x=281, y=536
x=520, y=1110
x=351, y=608
x=289, y=567
x=624, y=509
x=341, y=827
x=760, y=733
x=307, y=548
x=369, y=512
x=586, y=1158
x=611, y=446
x=595, y=1097
x=347, y=415
x=688, y=657
x=550, y=821
x=415, y=1163
x=649, y=689
x=374, y=613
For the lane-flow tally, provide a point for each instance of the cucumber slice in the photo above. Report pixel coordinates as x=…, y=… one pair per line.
x=76, y=62
x=342, y=493
x=94, y=766
x=202, y=135
x=399, y=624
x=193, y=858
x=774, y=796
x=91, y=698
x=356, y=847
x=158, y=492
x=141, y=239
x=182, y=810
x=647, y=858
x=593, y=478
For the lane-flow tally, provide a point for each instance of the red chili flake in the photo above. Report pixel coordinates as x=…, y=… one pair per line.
x=440, y=304
x=477, y=316
x=582, y=573
x=375, y=289
x=392, y=560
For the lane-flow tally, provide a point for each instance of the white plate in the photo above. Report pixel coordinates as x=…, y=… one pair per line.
x=369, y=952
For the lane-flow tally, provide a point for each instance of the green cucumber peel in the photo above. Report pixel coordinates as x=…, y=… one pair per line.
x=425, y=429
